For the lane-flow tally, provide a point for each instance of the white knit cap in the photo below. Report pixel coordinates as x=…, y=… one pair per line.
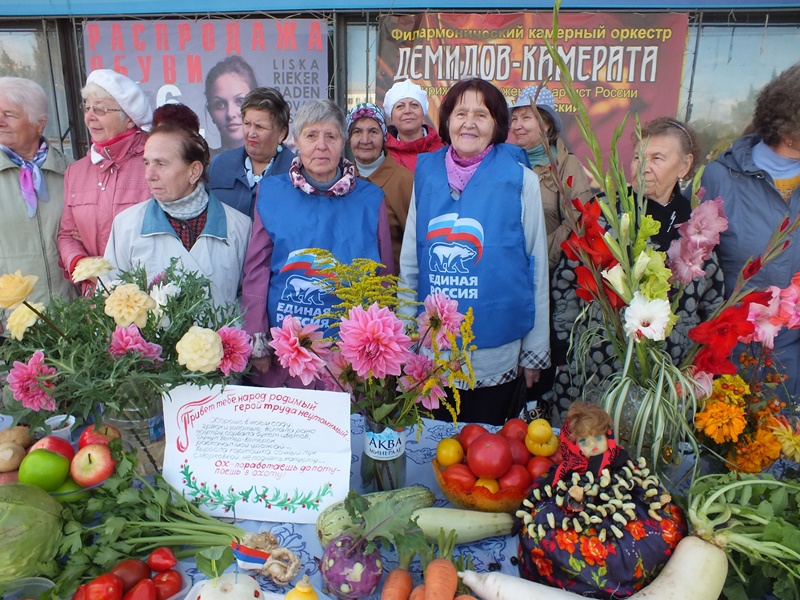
x=127, y=93
x=404, y=89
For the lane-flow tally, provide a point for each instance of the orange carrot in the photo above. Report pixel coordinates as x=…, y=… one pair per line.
x=441, y=580
x=398, y=585
x=418, y=593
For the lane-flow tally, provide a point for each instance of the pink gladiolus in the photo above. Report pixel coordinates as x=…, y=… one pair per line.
x=686, y=260
x=129, y=339
x=790, y=303
x=703, y=383
x=765, y=319
x=300, y=349
x=373, y=341
x=236, y=350
x=704, y=226
x=418, y=370
x=23, y=380
x=440, y=316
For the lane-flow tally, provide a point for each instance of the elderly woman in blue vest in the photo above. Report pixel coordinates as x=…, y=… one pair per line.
x=759, y=181
x=319, y=203
x=183, y=219
x=234, y=175
x=476, y=232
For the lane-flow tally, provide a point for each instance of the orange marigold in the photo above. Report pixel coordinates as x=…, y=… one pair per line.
x=721, y=422
x=755, y=455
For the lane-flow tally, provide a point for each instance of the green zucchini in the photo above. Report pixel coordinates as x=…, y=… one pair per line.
x=335, y=520
x=469, y=525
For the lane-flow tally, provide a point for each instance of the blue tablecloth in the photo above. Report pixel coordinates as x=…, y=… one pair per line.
x=302, y=539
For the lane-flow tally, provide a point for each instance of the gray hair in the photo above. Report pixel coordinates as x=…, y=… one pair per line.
x=317, y=111
x=269, y=100
x=28, y=95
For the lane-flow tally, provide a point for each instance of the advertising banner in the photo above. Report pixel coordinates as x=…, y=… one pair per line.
x=267, y=454
x=210, y=65
x=622, y=63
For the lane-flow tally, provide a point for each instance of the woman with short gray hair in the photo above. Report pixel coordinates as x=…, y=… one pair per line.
x=31, y=191
x=319, y=203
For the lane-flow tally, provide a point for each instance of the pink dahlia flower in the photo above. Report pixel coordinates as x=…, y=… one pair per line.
x=440, y=316
x=373, y=341
x=236, y=348
x=332, y=377
x=23, y=380
x=129, y=339
x=300, y=349
x=418, y=370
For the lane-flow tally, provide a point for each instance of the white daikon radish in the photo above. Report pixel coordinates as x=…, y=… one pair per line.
x=696, y=570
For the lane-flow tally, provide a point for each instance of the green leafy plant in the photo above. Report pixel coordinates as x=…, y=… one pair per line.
x=76, y=356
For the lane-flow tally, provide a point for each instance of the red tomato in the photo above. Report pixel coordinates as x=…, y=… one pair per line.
x=539, y=465
x=80, y=593
x=459, y=475
x=144, y=590
x=557, y=458
x=167, y=584
x=489, y=456
x=517, y=477
x=131, y=572
x=104, y=587
x=161, y=559
x=469, y=433
x=519, y=452
x=515, y=429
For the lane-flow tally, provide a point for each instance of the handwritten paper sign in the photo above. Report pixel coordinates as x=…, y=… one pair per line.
x=267, y=454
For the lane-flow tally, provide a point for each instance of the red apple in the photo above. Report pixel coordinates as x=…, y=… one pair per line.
x=56, y=444
x=98, y=434
x=92, y=465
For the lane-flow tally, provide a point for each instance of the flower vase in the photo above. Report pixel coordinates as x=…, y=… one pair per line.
x=141, y=423
x=383, y=460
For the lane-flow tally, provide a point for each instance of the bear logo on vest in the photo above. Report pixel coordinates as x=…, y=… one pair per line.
x=450, y=258
x=302, y=290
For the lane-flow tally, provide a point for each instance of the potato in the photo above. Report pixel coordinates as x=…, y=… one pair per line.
x=19, y=434
x=11, y=455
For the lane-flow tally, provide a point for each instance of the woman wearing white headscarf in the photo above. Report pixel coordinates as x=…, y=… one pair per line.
x=406, y=105
x=111, y=177
x=31, y=190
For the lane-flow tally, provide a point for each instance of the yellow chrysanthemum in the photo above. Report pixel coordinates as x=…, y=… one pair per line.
x=755, y=455
x=22, y=318
x=788, y=437
x=128, y=304
x=721, y=422
x=200, y=349
x=731, y=389
x=15, y=288
x=91, y=267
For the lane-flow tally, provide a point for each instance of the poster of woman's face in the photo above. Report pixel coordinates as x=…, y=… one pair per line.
x=210, y=65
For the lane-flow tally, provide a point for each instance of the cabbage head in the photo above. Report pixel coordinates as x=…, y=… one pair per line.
x=30, y=532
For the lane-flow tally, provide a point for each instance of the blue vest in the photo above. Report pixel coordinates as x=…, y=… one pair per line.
x=228, y=179
x=473, y=249
x=347, y=226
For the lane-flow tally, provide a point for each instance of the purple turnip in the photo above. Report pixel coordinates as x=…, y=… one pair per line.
x=348, y=572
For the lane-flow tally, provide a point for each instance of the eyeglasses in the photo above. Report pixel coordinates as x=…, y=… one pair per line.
x=100, y=111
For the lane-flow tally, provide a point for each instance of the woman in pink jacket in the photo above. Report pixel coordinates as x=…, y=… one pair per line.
x=111, y=177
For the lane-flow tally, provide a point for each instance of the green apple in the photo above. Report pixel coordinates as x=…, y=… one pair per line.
x=71, y=491
x=45, y=469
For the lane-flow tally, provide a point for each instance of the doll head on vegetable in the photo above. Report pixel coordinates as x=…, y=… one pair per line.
x=589, y=428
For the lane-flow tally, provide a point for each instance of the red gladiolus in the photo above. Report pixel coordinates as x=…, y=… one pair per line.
x=785, y=224
x=723, y=333
x=587, y=286
x=751, y=268
x=708, y=361
x=569, y=184
x=757, y=297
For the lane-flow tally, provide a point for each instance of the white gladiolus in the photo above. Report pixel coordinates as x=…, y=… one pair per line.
x=615, y=276
x=647, y=318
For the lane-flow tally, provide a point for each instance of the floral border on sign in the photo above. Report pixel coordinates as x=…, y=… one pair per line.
x=212, y=496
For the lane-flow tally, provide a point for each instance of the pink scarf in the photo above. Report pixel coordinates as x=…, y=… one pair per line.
x=460, y=170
